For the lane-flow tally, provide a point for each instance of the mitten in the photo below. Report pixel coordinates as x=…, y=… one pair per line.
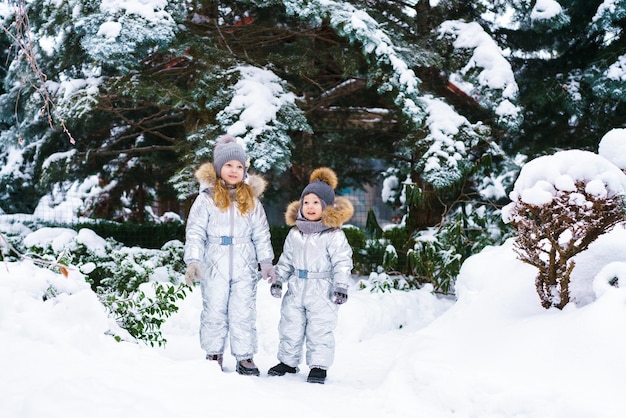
x=276, y=289
x=340, y=295
x=193, y=273
x=268, y=273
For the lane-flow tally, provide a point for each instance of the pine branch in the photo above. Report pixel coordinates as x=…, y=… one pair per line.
x=24, y=44
x=136, y=150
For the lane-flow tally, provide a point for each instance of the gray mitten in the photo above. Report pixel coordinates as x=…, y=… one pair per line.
x=193, y=273
x=268, y=273
x=340, y=295
x=276, y=289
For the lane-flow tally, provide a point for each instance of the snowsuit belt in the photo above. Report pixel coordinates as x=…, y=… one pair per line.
x=305, y=274
x=226, y=240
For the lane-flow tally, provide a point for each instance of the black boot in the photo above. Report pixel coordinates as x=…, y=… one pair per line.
x=280, y=369
x=316, y=375
x=247, y=367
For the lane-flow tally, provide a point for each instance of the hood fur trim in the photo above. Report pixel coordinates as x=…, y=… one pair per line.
x=205, y=174
x=333, y=216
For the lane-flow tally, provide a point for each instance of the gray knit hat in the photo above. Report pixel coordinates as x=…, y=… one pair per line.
x=226, y=149
x=322, y=183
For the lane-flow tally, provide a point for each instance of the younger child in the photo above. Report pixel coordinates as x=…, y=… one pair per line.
x=316, y=263
x=227, y=237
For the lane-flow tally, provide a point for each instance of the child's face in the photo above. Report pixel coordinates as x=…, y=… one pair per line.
x=312, y=207
x=232, y=172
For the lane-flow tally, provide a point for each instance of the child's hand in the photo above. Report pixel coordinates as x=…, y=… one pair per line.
x=193, y=273
x=276, y=289
x=340, y=296
x=268, y=273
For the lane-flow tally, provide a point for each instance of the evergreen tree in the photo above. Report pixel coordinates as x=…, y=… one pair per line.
x=570, y=57
x=435, y=91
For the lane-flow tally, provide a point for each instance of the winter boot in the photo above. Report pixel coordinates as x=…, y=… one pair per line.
x=280, y=369
x=247, y=368
x=216, y=357
x=316, y=375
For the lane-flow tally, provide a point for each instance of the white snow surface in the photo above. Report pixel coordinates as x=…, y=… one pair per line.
x=540, y=178
x=492, y=351
x=613, y=147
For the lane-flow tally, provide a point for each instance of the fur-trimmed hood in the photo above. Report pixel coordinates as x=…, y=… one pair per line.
x=206, y=176
x=333, y=215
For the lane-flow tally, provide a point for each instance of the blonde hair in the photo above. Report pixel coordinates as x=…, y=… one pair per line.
x=244, y=197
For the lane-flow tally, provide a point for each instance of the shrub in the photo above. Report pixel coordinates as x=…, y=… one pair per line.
x=144, y=235
x=399, y=244
x=430, y=262
x=142, y=315
x=549, y=235
x=125, y=271
x=119, y=276
x=357, y=240
x=437, y=255
x=561, y=203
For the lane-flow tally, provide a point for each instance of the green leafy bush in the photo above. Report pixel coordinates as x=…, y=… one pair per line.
x=398, y=239
x=125, y=272
x=119, y=276
x=357, y=240
x=437, y=255
x=381, y=281
x=430, y=262
x=142, y=315
x=433, y=256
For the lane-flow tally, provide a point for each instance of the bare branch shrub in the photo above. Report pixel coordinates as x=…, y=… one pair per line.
x=548, y=236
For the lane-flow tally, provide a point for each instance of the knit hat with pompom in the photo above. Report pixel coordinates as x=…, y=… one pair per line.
x=226, y=149
x=322, y=183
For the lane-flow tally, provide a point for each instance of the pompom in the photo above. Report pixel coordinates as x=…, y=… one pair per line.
x=225, y=139
x=325, y=174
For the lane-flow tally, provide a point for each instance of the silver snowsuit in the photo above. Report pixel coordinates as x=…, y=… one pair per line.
x=228, y=247
x=312, y=265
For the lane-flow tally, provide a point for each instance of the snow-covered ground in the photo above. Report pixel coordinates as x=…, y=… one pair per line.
x=491, y=352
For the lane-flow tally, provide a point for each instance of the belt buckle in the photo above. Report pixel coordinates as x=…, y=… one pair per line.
x=303, y=274
x=226, y=240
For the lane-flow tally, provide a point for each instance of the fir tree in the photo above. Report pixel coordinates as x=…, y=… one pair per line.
x=434, y=91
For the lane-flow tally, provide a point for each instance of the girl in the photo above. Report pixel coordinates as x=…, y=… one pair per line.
x=227, y=237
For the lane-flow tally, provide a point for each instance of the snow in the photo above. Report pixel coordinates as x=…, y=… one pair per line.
x=109, y=30
x=617, y=70
x=150, y=10
x=389, y=188
x=545, y=10
x=258, y=97
x=540, y=178
x=496, y=72
x=443, y=124
x=607, y=6
x=606, y=19
x=613, y=147
x=64, y=203
x=491, y=352
x=14, y=158
x=56, y=157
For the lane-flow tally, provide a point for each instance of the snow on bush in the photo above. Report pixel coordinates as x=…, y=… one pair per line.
x=562, y=203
